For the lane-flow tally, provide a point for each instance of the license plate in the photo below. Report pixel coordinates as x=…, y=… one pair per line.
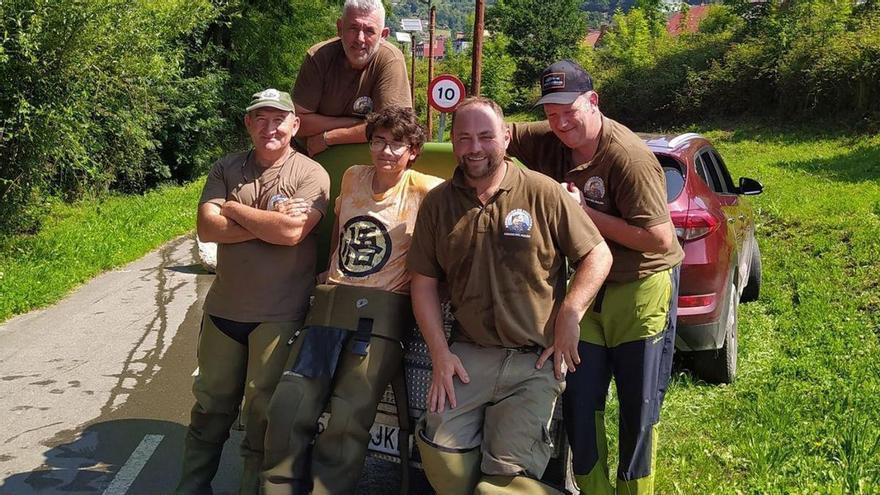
x=383, y=438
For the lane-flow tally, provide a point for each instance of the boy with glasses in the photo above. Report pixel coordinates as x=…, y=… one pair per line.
x=351, y=347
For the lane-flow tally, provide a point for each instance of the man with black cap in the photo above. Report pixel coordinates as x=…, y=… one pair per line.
x=347, y=77
x=629, y=331
x=260, y=206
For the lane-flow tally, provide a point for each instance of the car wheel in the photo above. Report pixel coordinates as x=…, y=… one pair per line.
x=753, y=285
x=719, y=366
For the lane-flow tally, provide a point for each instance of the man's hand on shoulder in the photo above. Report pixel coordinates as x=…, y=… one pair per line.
x=574, y=191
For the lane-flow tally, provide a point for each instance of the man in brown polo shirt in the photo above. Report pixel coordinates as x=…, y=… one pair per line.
x=260, y=206
x=500, y=237
x=347, y=77
x=629, y=331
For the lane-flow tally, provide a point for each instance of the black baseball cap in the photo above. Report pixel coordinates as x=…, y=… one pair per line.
x=563, y=82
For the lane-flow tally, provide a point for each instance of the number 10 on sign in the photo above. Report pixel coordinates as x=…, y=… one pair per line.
x=445, y=92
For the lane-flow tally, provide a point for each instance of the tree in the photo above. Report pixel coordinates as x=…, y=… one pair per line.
x=540, y=32
x=629, y=40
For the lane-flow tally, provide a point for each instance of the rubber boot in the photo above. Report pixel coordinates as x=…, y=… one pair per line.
x=218, y=390
x=450, y=471
x=201, y=458
x=292, y=416
x=250, y=475
x=514, y=485
x=360, y=382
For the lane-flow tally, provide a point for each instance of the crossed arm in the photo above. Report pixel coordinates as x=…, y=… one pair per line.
x=234, y=222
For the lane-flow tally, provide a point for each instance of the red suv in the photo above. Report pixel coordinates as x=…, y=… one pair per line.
x=722, y=264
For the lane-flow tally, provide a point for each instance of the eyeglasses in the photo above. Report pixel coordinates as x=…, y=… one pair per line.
x=396, y=148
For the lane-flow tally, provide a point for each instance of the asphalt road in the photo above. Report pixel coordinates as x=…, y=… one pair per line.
x=95, y=390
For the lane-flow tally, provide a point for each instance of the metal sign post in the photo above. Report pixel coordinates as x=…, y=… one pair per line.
x=412, y=26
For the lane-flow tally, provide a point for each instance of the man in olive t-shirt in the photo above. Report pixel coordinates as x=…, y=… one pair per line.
x=260, y=207
x=629, y=331
x=500, y=237
x=347, y=77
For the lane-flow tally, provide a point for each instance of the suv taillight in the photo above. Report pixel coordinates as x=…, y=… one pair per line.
x=694, y=224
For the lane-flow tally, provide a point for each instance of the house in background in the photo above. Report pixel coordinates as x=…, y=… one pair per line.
x=594, y=36
x=460, y=44
x=687, y=22
x=423, y=50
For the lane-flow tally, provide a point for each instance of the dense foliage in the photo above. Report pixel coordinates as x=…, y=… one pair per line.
x=808, y=58
x=122, y=95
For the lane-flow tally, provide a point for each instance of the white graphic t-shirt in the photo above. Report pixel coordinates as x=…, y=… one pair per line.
x=375, y=230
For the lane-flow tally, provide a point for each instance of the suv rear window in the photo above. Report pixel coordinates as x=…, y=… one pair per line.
x=674, y=176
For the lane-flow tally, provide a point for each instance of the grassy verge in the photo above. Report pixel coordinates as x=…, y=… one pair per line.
x=81, y=240
x=804, y=416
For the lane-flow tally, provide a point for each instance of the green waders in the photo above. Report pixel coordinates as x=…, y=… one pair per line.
x=457, y=472
x=229, y=369
x=348, y=354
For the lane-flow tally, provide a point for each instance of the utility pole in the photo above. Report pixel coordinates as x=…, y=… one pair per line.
x=412, y=26
x=430, y=61
x=477, y=52
x=412, y=74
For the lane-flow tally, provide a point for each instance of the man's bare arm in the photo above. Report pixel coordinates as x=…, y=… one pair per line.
x=311, y=123
x=272, y=226
x=588, y=278
x=446, y=365
x=343, y=135
x=214, y=227
x=653, y=239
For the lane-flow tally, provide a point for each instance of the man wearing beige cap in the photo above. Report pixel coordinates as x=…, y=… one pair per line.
x=261, y=207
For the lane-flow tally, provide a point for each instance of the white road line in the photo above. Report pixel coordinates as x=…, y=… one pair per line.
x=132, y=467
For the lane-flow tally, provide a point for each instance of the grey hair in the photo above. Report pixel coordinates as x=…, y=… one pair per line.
x=366, y=6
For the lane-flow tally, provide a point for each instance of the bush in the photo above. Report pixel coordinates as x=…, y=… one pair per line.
x=86, y=89
x=800, y=59
x=118, y=95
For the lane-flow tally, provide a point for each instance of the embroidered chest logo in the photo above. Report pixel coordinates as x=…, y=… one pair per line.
x=518, y=223
x=594, y=190
x=364, y=246
x=363, y=105
x=275, y=199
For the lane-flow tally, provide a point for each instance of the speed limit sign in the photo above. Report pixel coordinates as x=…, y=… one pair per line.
x=445, y=92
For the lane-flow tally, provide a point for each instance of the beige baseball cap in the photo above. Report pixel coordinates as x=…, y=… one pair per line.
x=271, y=98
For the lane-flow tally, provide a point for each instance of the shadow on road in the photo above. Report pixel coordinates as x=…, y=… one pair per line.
x=90, y=460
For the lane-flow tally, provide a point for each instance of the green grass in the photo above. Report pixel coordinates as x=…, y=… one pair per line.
x=804, y=415
x=81, y=240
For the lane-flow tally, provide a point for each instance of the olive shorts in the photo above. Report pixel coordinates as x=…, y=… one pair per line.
x=505, y=409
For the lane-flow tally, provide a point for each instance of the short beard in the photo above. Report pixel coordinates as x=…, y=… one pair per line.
x=494, y=161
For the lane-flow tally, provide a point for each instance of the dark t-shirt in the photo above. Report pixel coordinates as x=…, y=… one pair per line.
x=327, y=84
x=258, y=281
x=624, y=179
x=505, y=261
